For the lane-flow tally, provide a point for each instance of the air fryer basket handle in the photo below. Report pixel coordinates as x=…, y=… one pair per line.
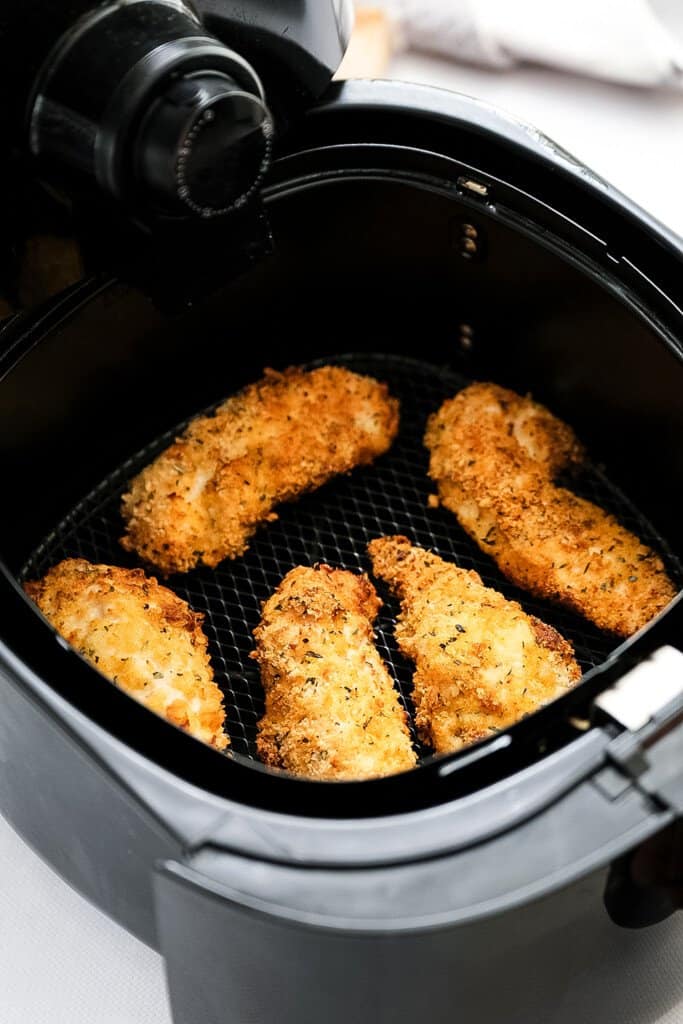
x=242, y=936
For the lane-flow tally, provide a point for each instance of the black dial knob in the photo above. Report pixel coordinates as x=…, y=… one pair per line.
x=204, y=145
x=138, y=101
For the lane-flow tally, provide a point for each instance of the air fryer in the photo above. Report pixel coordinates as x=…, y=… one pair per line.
x=423, y=238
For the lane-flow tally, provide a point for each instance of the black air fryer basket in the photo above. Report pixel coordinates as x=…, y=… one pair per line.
x=278, y=899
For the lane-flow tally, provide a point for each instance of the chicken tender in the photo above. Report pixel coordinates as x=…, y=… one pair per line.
x=203, y=498
x=481, y=663
x=331, y=708
x=141, y=636
x=493, y=456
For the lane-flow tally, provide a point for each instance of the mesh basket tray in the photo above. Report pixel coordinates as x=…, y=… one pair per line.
x=332, y=525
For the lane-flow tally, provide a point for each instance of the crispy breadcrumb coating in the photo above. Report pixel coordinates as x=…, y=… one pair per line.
x=203, y=498
x=481, y=663
x=493, y=456
x=331, y=708
x=141, y=636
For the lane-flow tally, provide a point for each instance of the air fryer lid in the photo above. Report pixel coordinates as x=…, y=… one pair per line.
x=332, y=190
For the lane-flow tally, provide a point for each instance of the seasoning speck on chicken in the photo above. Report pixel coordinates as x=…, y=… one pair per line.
x=481, y=663
x=204, y=497
x=140, y=635
x=332, y=711
x=494, y=455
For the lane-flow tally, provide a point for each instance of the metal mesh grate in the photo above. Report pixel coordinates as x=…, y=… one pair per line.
x=332, y=525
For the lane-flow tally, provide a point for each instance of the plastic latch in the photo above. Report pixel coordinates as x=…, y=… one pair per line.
x=648, y=703
x=644, y=691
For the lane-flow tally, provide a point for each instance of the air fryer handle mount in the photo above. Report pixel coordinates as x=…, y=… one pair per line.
x=645, y=885
x=647, y=703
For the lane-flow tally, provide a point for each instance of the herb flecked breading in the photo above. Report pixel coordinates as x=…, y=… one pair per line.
x=204, y=497
x=481, y=663
x=332, y=711
x=140, y=635
x=494, y=457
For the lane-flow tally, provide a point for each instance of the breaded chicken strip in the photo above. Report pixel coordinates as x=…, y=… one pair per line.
x=481, y=663
x=493, y=456
x=141, y=636
x=331, y=708
x=202, y=499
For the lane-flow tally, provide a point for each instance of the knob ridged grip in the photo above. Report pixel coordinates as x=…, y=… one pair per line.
x=204, y=144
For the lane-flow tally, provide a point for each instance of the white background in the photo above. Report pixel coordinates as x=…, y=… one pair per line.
x=61, y=961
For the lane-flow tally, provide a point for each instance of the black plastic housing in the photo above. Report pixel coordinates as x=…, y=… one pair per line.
x=485, y=861
x=130, y=94
x=107, y=156
x=296, y=47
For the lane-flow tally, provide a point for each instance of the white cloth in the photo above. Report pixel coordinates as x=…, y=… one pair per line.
x=619, y=40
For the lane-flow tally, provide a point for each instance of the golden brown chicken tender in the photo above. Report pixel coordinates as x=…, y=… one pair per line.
x=481, y=663
x=202, y=499
x=141, y=636
x=331, y=708
x=493, y=457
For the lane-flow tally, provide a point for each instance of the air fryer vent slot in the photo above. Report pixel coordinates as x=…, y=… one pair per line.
x=332, y=525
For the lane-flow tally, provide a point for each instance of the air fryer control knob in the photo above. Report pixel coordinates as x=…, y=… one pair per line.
x=204, y=145
x=137, y=100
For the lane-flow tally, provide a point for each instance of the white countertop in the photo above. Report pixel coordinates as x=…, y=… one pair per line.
x=61, y=961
